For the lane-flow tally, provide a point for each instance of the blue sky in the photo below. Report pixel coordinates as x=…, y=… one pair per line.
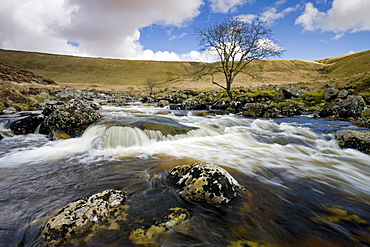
x=164, y=29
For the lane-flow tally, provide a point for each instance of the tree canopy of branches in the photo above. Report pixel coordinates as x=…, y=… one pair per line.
x=151, y=83
x=237, y=43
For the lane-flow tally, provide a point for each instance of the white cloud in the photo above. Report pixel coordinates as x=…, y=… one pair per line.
x=343, y=16
x=177, y=36
x=272, y=14
x=226, y=6
x=247, y=18
x=104, y=28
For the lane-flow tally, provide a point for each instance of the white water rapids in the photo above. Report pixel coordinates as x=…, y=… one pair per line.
x=297, y=164
x=248, y=145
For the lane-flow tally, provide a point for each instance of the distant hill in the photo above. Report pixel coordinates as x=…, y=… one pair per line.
x=87, y=73
x=347, y=65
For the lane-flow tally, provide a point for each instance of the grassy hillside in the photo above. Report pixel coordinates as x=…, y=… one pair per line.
x=70, y=69
x=347, y=65
x=83, y=72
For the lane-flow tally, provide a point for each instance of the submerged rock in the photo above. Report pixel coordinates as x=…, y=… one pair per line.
x=150, y=235
x=204, y=182
x=359, y=140
x=79, y=218
x=72, y=118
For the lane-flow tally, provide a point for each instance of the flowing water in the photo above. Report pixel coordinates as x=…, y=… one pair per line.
x=305, y=190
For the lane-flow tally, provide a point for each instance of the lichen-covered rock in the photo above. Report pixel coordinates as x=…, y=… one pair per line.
x=353, y=106
x=72, y=118
x=254, y=109
x=149, y=235
x=292, y=92
x=194, y=104
x=203, y=182
x=71, y=93
x=85, y=215
x=26, y=125
x=330, y=93
x=163, y=103
x=359, y=140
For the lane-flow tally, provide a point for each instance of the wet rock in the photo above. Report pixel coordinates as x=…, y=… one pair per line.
x=27, y=125
x=72, y=118
x=9, y=110
x=194, y=104
x=71, y=93
x=254, y=110
x=50, y=106
x=145, y=98
x=353, y=106
x=176, y=97
x=330, y=93
x=89, y=214
x=290, y=110
x=163, y=103
x=150, y=235
x=355, y=139
x=203, y=182
x=166, y=126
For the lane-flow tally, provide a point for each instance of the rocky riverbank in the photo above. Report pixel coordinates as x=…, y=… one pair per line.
x=67, y=112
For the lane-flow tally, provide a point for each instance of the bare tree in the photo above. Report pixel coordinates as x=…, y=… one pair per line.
x=237, y=43
x=151, y=83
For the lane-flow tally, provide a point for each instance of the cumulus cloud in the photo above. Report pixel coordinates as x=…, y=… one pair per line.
x=272, y=14
x=106, y=28
x=225, y=6
x=343, y=16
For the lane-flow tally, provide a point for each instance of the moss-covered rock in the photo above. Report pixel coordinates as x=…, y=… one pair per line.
x=149, y=235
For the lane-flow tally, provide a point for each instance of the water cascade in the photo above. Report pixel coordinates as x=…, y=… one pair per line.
x=293, y=167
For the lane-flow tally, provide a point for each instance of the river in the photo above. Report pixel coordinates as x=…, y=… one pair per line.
x=306, y=190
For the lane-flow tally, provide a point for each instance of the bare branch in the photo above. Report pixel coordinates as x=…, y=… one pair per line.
x=237, y=43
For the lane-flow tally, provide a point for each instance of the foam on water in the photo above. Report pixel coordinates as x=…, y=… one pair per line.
x=243, y=144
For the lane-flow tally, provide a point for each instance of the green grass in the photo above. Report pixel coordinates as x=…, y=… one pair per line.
x=70, y=69
x=347, y=65
x=95, y=72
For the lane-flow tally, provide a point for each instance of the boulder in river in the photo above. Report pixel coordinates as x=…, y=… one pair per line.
x=356, y=139
x=26, y=125
x=254, y=109
x=71, y=93
x=72, y=118
x=79, y=218
x=353, y=106
x=330, y=93
x=194, y=104
x=203, y=182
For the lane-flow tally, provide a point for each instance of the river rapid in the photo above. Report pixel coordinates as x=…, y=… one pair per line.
x=306, y=191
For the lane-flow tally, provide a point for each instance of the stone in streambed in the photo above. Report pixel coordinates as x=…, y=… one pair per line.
x=359, y=140
x=204, y=182
x=72, y=118
x=149, y=235
x=89, y=214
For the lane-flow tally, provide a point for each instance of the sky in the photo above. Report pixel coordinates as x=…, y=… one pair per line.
x=164, y=29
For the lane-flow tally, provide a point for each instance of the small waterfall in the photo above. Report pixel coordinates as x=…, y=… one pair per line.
x=115, y=136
